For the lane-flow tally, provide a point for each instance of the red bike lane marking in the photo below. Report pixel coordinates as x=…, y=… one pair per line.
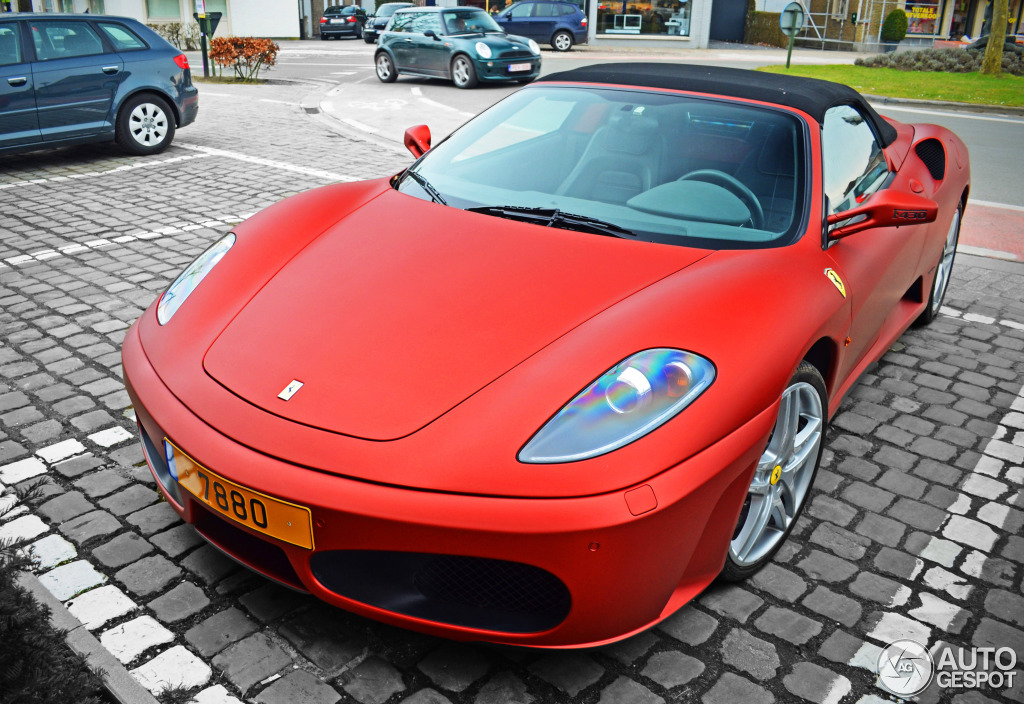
x=993, y=228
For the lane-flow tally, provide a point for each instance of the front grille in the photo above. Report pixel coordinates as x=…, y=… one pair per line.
x=475, y=592
x=515, y=54
x=930, y=151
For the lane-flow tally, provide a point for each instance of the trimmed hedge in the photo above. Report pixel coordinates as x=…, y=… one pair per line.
x=942, y=60
x=894, y=29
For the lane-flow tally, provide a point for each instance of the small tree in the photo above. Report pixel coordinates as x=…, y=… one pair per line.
x=992, y=64
x=894, y=29
x=247, y=55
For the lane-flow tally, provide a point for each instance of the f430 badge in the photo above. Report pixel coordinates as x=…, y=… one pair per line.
x=834, y=278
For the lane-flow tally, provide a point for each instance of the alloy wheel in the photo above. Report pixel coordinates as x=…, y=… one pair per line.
x=147, y=124
x=945, y=266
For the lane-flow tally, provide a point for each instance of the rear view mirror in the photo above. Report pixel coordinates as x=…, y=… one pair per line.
x=432, y=34
x=417, y=141
x=885, y=208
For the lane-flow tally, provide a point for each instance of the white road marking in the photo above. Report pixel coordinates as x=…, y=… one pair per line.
x=1004, y=206
x=120, y=169
x=986, y=252
x=358, y=125
x=284, y=166
x=280, y=102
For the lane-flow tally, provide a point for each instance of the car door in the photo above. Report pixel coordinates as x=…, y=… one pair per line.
x=516, y=19
x=19, y=123
x=401, y=40
x=878, y=265
x=76, y=76
x=541, y=25
x=433, y=55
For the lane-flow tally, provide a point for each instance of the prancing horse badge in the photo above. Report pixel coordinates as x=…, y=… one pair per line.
x=290, y=390
x=834, y=278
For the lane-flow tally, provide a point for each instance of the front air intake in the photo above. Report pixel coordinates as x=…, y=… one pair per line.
x=930, y=152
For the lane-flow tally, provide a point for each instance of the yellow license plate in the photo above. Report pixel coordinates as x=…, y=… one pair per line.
x=278, y=519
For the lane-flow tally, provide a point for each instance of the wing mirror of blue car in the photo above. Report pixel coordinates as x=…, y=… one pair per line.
x=417, y=141
x=885, y=208
x=432, y=34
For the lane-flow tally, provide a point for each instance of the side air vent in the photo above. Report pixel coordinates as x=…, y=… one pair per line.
x=930, y=151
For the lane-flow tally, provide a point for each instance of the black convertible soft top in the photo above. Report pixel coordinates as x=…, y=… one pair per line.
x=810, y=95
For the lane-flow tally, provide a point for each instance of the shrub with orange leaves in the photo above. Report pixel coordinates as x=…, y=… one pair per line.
x=247, y=55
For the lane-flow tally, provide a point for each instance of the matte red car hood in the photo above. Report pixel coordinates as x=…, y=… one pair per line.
x=405, y=308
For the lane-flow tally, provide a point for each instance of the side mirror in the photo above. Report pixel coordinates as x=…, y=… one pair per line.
x=417, y=141
x=432, y=34
x=885, y=208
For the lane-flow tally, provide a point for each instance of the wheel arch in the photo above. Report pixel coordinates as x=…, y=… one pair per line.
x=155, y=92
x=822, y=355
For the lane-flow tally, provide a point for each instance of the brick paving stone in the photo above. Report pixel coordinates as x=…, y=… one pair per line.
x=993, y=634
x=732, y=689
x=427, y=696
x=843, y=648
x=881, y=529
x=1006, y=606
x=671, y=668
x=903, y=484
x=968, y=531
x=822, y=566
x=154, y=518
x=129, y=640
x=855, y=423
x=631, y=649
x=989, y=569
x=984, y=487
x=571, y=672
x=149, y=575
x=177, y=540
x=101, y=483
x=732, y=602
x=272, y=601
x=944, y=552
x=867, y=496
x=885, y=627
x=217, y=632
x=325, y=635
x=375, y=680
x=42, y=432
x=209, y=564
x=21, y=470
x=181, y=602
x=72, y=578
x=750, y=654
x=23, y=528
x=787, y=625
x=917, y=514
x=90, y=526
x=129, y=500
x=77, y=466
x=840, y=541
x=74, y=405
x=455, y=667
x=627, y=691
x=816, y=684
x=94, y=420
x=947, y=617
x=835, y=606
x=859, y=468
x=51, y=551
x=298, y=686
x=779, y=582
x=65, y=507
x=897, y=563
x=827, y=508
x=940, y=472
x=689, y=625
x=503, y=688
x=175, y=667
x=119, y=551
x=98, y=606
x=251, y=660
x=851, y=444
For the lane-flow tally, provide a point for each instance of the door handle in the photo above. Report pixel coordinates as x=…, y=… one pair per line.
x=110, y=69
x=408, y=40
x=18, y=81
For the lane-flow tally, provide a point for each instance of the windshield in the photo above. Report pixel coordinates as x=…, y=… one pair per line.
x=390, y=9
x=666, y=168
x=469, y=21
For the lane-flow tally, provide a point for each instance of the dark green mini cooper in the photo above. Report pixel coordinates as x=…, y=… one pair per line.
x=463, y=44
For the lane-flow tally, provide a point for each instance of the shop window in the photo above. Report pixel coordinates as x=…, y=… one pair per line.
x=163, y=9
x=922, y=17
x=651, y=17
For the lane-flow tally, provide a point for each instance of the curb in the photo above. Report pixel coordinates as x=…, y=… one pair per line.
x=116, y=679
x=1006, y=110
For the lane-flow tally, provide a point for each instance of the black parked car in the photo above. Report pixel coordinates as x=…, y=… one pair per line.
x=379, y=20
x=342, y=21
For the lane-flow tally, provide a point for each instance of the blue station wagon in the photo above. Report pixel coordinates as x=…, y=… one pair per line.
x=560, y=24
x=74, y=79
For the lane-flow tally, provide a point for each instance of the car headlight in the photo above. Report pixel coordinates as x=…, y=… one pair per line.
x=187, y=281
x=628, y=401
x=483, y=50
x=534, y=47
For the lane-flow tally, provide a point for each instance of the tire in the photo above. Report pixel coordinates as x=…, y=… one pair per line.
x=145, y=124
x=359, y=31
x=783, y=478
x=562, y=41
x=463, y=72
x=368, y=40
x=324, y=37
x=943, y=270
x=385, y=68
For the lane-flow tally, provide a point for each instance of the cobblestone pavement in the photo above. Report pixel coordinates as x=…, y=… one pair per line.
x=914, y=530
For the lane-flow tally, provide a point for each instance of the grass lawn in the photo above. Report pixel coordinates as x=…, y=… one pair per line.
x=920, y=85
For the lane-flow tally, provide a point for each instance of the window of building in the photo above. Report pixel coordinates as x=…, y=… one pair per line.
x=664, y=17
x=923, y=17
x=854, y=163
x=163, y=9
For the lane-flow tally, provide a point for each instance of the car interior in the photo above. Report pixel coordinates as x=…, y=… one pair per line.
x=677, y=166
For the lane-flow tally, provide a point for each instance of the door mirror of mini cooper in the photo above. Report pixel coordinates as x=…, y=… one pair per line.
x=432, y=34
x=885, y=208
x=417, y=141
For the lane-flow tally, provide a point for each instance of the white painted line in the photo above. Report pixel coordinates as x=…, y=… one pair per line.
x=359, y=125
x=881, y=107
x=92, y=174
x=129, y=640
x=21, y=470
x=436, y=104
x=51, y=551
x=990, y=204
x=175, y=667
x=111, y=436
x=22, y=528
x=281, y=102
x=73, y=578
x=416, y=90
x=317, y=173
x=94, y=608
x=61, y=451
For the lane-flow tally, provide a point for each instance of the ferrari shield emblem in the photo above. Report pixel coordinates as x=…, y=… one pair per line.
x=290, y=390
x=834, y=278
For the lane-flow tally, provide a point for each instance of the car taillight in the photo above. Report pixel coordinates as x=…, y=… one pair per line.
x=323, y=20
x=181, y=60
x=351, y=19
x=583, y=22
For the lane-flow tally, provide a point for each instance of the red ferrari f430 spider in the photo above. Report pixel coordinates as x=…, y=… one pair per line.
x=576, y=362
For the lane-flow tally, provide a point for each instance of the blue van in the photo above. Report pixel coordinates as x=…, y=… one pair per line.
x=560, y=24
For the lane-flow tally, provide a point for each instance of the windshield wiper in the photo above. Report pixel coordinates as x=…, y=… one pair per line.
x=552, y=217
x=425, y=185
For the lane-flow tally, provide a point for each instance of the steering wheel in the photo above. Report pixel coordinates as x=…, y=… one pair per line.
x=734, y=186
